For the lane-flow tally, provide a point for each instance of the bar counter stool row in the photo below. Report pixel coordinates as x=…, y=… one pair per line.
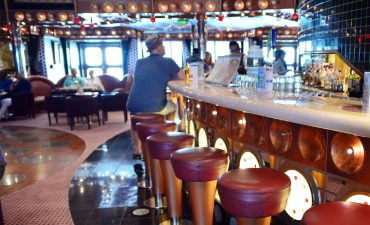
x=251, y=195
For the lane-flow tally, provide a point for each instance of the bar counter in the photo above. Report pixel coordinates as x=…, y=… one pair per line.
x=319, y=142
x=342, y=115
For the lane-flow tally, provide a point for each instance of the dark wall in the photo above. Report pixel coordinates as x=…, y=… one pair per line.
x=342, y=25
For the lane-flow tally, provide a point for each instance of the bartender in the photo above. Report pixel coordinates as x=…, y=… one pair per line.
x=279, y=65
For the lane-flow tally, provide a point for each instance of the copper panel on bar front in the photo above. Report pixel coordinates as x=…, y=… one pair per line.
x=238, y=125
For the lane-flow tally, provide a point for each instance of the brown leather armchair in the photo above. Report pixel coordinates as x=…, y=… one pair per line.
x=55, y=104
x=22, y=104
x=41, y=87
x=113, y=101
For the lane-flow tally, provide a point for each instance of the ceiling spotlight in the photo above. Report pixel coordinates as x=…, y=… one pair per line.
x=137, y=16
x=19, y=16
x=218, y=35
x=180, y=35
x=144, y=7
x=162, y=7
x=239, y=5
x=263, y=4
x=166, y=16
x=197, y=6
x=83, y=32
x=94, y=7
x=28, y=16
x=230, y=35
x=167, y=35
x=98, y=32
x=132, y=7
x=60, y=32
x=173, y=7
x=68, y=32
x=62, y=16
x=249, y=4
x=41, y=16
x=226, y=6
x=242, y=14
x=210, y=6
x=120, y=7
x=107, y=7
x=186, y=6
x=274, y=3
x=128, y=32
x=259, y=32
x=287, y=32
x=113, y=32
x=50, y=17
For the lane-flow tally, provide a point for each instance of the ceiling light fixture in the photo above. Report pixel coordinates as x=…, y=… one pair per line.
x=239, y=5
x=162, y=7
x=186, y=6
x=132, y=7
x=263, y=4
x=210, y=6
x=19, y=16
x=107, y=7
x=41, y=16
x=62, y=16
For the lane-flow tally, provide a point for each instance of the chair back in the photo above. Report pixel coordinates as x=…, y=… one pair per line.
x=55, y=103
x=81, y=106
x=23, y=104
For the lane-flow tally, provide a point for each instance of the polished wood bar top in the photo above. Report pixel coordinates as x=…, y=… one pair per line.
x=343, y=115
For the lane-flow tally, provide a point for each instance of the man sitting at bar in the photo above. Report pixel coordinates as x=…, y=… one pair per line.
x=72, y=81
x=148, y=93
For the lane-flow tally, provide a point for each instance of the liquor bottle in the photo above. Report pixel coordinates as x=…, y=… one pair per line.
x=187, y=75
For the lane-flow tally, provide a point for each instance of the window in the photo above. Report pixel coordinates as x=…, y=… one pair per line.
x=173, y=49
x=102, y=58
x=219, y=48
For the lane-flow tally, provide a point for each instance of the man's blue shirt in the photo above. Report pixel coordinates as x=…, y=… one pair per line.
x=148, y=93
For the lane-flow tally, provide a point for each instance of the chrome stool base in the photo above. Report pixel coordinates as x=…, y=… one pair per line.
x=176, y=221
x=156, y=204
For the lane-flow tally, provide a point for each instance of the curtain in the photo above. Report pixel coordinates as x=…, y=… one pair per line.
x=132, y=56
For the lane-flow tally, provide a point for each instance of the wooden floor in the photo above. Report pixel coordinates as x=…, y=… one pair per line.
x=34, y=154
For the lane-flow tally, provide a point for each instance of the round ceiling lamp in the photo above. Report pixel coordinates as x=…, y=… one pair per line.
x=19, y=16
x=197, y=6
x=98, y=32
x=41, y=16
x=62, y=16
x=211, y=6
x=94, y=7
x=107, y=7
x=173, y=7
x=83, y=32
x=68, y=32
x=133, y=7
x=144, y=7
x=120, y=7
x=186, y=6
x=239, y=5
x=162, y=7
x=113, y=32
x=263, y=4
x=249, y=4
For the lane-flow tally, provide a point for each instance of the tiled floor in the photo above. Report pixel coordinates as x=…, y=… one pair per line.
x=104, y=190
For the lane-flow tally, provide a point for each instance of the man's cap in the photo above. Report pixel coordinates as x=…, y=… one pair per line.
x=152, y=42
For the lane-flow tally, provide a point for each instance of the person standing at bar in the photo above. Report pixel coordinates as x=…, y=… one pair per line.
x=279, y=65
x=148, y=92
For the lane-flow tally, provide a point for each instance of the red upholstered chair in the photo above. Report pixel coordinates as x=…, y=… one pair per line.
x=161, y=146
x=60, y=82
x=41, y=87
x=109, y=82
x=138, y=148
x=254, y=195
x=144, y=130
x=338, y=213
x=200, y=167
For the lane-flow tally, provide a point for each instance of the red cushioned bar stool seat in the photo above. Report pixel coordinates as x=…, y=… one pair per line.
x=161, y=146
x=200, y=167
x=254, y=195
x=338, y=213
x=144, y=130
x=137, y=146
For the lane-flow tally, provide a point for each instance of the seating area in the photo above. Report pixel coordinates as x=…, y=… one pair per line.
x=53, y=99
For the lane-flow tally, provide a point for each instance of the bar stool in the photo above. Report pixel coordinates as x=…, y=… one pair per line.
x=254, y=195
x=200, y=167
x=144, y=130
x=142, y=117
x=338, y=213
x=160, y=147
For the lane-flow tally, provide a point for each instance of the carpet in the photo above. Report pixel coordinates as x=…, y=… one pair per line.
x=46, y=202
